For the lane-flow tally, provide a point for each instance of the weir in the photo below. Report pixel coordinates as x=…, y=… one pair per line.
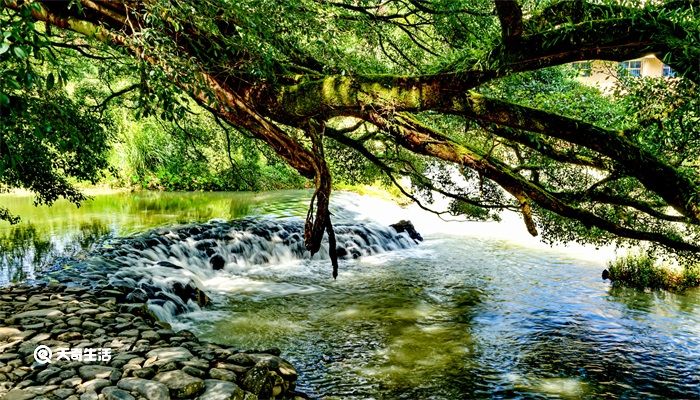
x=168, y=267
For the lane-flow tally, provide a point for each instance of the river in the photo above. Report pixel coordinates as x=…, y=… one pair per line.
x=477, y=310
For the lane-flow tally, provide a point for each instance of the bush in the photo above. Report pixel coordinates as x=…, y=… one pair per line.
x=643, y=272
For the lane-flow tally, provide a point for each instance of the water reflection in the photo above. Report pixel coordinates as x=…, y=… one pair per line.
x=48, y=236
x=26, y=249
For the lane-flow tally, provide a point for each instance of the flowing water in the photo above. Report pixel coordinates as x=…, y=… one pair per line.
x=476, y=310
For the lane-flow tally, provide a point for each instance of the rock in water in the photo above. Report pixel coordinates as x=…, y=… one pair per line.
x=217, y=262
x=407, y=226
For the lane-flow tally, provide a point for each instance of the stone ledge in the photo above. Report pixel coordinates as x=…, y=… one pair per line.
x=148, y=359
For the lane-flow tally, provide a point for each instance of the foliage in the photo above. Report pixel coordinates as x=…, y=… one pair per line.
x=667, y=112
x=642, y=271
x=47, y=141
x=466, y=99
x=192, y=154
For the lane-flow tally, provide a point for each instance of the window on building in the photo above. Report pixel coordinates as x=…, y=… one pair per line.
x=584, y=68
x=668, y=72
x=634, y=68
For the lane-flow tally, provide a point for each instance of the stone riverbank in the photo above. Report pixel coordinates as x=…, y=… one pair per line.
x=103, y=347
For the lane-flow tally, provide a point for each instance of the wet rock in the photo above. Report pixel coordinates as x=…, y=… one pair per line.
x=139, y=309
x=28, y=392
x=341, y=252
x=130, y=333
x=145, y=373
x=138, y=295
x=168, y=264
x=63, y=393
x=69, y=336
x=193, y=371
x=244, y=359
x=407, y=226
x=89, y=396
x=167, y=354
x=180, y=384
x=9, y=333
x=220, y=390
x=150, y=335
x=255, y=381
x=47, y=374
x=90, y=325
x=217, y=262
x=190, y=291
x=87, y=311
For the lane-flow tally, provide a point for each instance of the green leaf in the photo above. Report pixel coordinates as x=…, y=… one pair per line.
x=4, y=100
x=4, y=47
x=50, y=81
x=19, y=52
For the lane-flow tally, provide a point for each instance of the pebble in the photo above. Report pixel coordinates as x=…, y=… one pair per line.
x=148, y=360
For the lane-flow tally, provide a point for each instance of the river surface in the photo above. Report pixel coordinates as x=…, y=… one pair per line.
x=477, y=310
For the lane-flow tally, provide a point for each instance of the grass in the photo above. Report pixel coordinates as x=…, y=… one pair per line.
x=643, y=272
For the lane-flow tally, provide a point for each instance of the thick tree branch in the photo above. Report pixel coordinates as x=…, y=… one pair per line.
x=422, y=140
x=511, y=16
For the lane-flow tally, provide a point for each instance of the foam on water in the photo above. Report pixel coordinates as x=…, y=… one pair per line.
x=178, y=269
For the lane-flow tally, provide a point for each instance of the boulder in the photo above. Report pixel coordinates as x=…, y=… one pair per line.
x=256, y=382
x=217, y=262
x=407, y=226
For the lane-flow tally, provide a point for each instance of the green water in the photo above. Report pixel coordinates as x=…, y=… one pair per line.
x=46, y=234
x=459, y=316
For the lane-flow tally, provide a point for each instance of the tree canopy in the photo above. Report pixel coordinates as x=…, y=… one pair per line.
x=424, y=89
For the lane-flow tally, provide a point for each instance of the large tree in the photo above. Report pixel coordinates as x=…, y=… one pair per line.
x=409, y=83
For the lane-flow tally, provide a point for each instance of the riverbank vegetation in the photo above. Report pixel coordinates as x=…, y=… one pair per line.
x=642, y=271
x=471, y=100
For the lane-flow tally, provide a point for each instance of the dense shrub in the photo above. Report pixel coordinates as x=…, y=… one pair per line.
x=643, y=272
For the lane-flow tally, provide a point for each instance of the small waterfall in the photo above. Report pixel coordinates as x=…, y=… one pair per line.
x=166, y=268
